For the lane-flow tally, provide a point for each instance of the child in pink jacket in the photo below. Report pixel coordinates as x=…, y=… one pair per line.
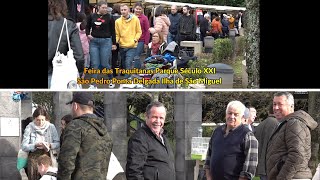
x=81, y=23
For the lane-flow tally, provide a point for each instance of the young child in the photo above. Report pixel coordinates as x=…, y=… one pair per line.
x=45, y=168
x=81, y=23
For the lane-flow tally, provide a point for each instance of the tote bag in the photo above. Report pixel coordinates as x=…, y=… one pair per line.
x=22, y=159
x=53, y=153
x=65, y=71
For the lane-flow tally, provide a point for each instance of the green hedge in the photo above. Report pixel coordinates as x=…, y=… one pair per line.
x=222, y=50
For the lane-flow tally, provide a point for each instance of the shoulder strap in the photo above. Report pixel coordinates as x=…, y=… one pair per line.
x=51, y=174
x=65, y=23
x=67, y=33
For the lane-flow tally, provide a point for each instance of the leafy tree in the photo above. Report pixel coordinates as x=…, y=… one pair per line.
x=44, y=99
x=138, y=101
x=236, y=3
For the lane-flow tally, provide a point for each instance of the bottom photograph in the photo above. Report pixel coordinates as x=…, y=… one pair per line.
x=224, y=135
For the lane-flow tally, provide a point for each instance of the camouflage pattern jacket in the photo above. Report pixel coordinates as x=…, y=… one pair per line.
x=85, y=150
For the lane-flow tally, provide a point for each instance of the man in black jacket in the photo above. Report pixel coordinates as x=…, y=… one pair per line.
x=187, y=25
x=174, y=20
x=149, y=153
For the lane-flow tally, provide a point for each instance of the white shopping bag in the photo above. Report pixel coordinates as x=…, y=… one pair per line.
x=114, y=167
x=65, y=72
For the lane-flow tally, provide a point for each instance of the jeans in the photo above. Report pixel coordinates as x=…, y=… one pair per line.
x=171, y=37
x=87, y=60
x=127, y=55
x=139, y=51
x=49, y=80
x=100, y=54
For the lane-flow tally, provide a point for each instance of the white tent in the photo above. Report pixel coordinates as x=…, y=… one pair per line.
x=151, y=3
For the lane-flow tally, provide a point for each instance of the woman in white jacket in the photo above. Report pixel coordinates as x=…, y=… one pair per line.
x=40, y=137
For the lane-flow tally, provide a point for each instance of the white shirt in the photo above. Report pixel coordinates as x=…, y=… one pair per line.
x=48, y=177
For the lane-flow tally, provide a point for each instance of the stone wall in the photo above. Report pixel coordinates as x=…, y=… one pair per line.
x=9, y=140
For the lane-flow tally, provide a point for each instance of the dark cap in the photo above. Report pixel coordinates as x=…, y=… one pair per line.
x=85, y=98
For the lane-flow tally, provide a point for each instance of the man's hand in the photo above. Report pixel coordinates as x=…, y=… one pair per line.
x=114, y=47
x=89, y=37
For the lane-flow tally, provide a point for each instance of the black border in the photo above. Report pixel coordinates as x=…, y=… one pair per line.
x=288, y=57
x=24, y=64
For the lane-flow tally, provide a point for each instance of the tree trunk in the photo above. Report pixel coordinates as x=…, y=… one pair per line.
x=313, y=108
x=252, y=33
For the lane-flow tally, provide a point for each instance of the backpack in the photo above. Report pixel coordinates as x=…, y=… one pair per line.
x=51, y=174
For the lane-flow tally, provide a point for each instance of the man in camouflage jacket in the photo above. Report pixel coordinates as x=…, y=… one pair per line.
x=86, y=148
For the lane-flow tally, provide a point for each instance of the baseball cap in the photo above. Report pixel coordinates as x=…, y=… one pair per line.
x=85, y=98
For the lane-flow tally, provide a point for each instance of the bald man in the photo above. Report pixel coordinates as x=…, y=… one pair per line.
x=174, y=20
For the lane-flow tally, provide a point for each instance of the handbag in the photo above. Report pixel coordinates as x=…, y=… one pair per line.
x=22, y=159
x=65, y=72
x=53, y=157
x=53, y=153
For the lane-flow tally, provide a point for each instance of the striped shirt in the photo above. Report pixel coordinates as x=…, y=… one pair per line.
x=250, y=151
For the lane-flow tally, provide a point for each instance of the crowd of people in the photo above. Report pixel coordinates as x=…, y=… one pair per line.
x=116, y=37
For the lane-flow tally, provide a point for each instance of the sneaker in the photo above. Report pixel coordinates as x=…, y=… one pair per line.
x=92, y=87
x=111, y=85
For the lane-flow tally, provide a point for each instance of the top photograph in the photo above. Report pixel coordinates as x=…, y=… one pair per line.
x=149, y=44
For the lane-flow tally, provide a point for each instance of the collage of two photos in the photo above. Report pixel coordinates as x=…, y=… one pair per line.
x=187, y=135
x=158, y=90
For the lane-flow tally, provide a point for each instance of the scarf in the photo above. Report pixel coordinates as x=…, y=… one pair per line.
x=155, y=48
x=40, y=130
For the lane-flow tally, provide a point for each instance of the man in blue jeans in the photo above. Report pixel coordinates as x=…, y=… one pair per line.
x=128, y=32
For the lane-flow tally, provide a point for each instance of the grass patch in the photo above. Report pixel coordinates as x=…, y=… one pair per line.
x=237, y=66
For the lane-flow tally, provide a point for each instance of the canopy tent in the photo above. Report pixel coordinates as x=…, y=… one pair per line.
x=130, y=3
x=152, y=3
x=149, y=4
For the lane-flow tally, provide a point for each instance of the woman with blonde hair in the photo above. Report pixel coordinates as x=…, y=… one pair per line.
x=40, y=137
x=157, y=45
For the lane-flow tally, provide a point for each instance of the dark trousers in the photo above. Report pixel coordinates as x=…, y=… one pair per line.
x=115, y=60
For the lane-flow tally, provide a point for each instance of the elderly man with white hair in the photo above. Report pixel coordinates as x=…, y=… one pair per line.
x=205, y=26
x=233, y=149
